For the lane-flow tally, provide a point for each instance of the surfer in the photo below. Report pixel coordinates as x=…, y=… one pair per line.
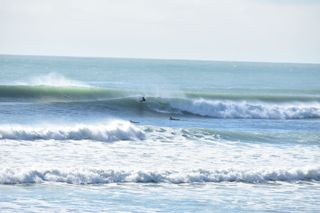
x=174, y=119
x=134, y=122
x=142, y=99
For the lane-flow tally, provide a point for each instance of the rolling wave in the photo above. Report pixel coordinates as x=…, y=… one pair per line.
x=217, y=106
x=99, y=176
x=109, y=132
x=245, y=109
x=54, y=93
x=208, y=108
x=118, y=130
x=64, y=91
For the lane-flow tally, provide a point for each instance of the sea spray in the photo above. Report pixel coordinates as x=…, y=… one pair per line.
x=53, y=80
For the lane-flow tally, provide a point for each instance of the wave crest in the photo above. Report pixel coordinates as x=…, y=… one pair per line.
x=109, y=132
x=95, y=176
x=244, y=109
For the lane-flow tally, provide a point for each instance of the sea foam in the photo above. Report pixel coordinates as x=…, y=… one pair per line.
x=96, y=176
x=244, y=109
x=107, y=132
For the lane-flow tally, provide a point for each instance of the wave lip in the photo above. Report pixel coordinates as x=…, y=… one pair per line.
x=109, y=132
x=95, y=176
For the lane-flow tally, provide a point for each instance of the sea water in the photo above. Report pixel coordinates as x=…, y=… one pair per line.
x=75, y=135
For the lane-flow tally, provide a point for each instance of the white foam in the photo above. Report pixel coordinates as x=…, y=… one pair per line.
x=244, y=109
x=96, y=176
x=110, y=131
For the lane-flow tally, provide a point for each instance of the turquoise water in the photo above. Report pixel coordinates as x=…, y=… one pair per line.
x=75, y=135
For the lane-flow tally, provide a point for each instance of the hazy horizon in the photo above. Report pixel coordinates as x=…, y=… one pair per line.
x=240, y=30
x=164, y=59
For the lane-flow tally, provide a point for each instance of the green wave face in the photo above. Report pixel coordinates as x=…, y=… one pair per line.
x=49, y=93
x=73, y=93
x=215, y=105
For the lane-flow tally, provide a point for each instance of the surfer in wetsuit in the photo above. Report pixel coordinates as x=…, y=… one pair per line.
x=173, y=119
x=134, y=122
x=142, y=99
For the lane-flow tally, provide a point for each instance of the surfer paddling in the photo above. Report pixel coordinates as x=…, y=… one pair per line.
x=174, y=119
x=134, y=122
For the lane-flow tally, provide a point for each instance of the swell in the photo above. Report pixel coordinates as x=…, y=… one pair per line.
x=101, y=176
x=79, y=92
x=249, y=106
x=273, y=96
x=206, y=108
x=51, y=93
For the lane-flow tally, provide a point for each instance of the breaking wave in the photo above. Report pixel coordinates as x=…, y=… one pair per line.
x=109, y=132
x=96, y=176
x=214, y=106
x=244, y=109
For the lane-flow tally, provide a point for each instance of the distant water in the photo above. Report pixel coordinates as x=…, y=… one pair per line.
x=75, y=135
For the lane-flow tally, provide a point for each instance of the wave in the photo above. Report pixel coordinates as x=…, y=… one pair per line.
x=122, y=130
x=218, y=106
x=108, y=132
x=99, y=176
x=272, y=96
x=207, y=108
x=55, y=93
x=245, y=109
x=62, y=89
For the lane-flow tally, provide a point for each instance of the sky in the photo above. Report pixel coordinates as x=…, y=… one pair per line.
x=228, y=30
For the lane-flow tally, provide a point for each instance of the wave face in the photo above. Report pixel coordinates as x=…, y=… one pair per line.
x=96, y=176
x=109, y=132
x=54, y=93
x=242, y=104
x=124, y=100
x=62, y=89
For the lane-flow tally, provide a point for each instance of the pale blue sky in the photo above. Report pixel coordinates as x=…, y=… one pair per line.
x=236, y=30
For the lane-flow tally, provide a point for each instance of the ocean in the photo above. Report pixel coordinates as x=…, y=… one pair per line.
x=77, y=136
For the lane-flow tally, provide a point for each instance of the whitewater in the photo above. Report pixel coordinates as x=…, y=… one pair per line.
x=75, y=135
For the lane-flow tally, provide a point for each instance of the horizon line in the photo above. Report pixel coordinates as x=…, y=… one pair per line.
x=156, y=58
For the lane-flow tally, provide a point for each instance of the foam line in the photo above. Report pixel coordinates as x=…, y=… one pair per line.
x=108, y=132
x=95, y=176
